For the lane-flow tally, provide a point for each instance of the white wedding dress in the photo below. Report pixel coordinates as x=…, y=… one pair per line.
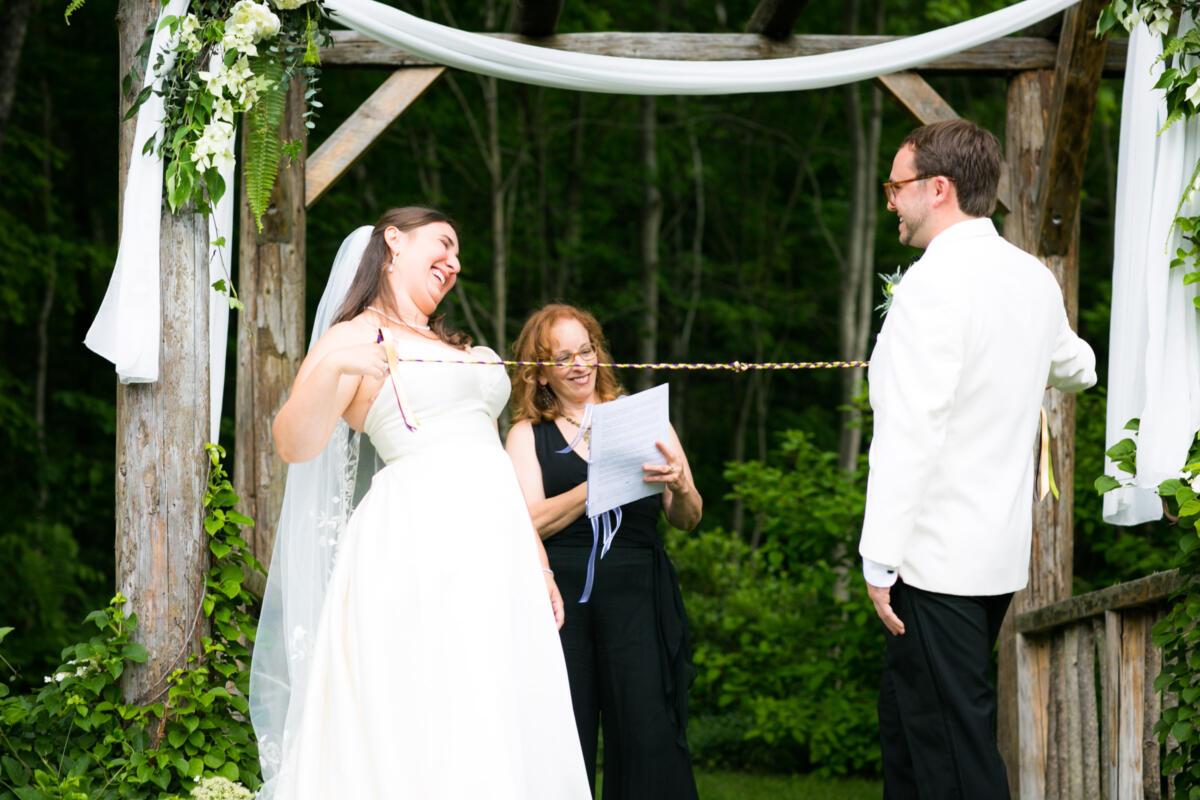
x=436, y=670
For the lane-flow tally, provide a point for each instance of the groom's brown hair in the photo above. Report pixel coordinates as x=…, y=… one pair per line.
x=966, y=154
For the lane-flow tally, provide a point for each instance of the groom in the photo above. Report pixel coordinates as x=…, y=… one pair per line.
x=975, y=332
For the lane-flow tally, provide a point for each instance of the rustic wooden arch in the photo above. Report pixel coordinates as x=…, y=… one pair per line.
x=1057, y=741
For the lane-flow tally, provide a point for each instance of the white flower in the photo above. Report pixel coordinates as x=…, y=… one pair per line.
x=235, y=83
x=48, y=679
x=288, y=5
x=248, y=24
x=218, y=788
x=59, y=677
x=1195, y=484
x=214, y=148
x=188, y=27
x=1192, y=95
x=223, y=110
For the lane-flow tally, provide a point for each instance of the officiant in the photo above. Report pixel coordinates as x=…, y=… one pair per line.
x=626, y=647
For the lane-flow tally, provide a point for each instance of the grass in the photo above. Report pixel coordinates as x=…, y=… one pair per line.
x=749, y=786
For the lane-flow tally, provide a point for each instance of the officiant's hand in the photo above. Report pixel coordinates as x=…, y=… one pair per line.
x=881, y=596
x=556, y=601
x=670, y=473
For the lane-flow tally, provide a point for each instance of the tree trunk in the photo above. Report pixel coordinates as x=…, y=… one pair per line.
x=14, y=22
x=43, y=325
x=573, y=224
x=270, y=342
x=652, y=210
x=162, y=469
x=683, y=341
x=854, y=306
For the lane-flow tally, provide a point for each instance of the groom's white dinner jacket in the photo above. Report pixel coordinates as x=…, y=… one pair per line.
x=975, y=333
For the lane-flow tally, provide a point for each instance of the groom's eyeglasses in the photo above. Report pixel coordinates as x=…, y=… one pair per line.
x=892, y=188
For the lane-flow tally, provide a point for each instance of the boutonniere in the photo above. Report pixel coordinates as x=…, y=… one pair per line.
x=890, y=282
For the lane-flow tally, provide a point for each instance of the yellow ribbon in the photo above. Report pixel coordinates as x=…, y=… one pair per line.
x=1045, y=471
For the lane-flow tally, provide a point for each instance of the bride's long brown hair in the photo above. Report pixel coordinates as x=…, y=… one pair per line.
x=369, y=283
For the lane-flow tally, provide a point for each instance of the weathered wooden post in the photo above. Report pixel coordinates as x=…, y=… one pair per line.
x=271, y=340
x=162, y=469
x=1049, y=123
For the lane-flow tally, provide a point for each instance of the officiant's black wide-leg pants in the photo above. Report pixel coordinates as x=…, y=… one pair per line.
x=937, y=705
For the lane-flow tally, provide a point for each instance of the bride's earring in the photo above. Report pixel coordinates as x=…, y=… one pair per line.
x=392, y=264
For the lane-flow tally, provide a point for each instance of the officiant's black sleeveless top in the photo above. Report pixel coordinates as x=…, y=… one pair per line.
x=562, y=472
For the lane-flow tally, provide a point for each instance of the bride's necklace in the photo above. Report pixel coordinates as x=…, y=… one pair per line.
x=405, y=323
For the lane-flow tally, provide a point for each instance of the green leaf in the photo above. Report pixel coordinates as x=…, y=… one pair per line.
x=1106, y=483
x=72, y=7
x=263, y=147
x=135, y=652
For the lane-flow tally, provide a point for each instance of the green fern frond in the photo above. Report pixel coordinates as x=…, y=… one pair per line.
x=263, y=146
x=72, y=7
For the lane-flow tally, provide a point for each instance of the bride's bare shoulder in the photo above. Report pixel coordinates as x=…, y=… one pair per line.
x=353, y=331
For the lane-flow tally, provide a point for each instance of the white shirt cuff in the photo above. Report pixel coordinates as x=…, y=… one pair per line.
x=877, y=574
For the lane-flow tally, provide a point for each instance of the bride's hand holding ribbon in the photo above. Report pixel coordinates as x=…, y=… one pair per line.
x=361, y=359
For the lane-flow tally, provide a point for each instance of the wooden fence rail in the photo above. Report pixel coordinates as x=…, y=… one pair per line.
x=1088, y=720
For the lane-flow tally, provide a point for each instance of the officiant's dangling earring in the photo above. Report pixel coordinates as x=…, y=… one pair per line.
x=546, y=397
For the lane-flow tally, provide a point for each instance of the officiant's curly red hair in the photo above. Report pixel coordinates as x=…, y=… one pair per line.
x=532, y=401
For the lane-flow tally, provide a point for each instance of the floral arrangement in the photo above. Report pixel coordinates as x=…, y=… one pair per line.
x=219, y=788
x=226, y=60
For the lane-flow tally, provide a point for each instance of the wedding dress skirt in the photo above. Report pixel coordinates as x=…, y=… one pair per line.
x=436, y=670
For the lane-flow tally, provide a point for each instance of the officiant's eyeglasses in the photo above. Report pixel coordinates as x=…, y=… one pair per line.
x=566, y=359
x=892, y=188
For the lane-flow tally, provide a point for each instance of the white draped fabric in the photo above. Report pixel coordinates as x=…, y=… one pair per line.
x=615, y=75
x=1154, y=339
x=126, y=329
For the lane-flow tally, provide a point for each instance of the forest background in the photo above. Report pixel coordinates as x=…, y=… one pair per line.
x=696, y=229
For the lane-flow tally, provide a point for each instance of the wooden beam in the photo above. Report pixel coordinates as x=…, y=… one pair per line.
x=270, y=341
x=1001, y=57
x=162, y=469
x=775, y=18
x=926, y=106
x=362, y=128
x=1150, y=590
x=536, y=18
x=1076, y=80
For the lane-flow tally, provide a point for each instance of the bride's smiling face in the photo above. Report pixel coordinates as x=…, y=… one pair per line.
x=424, y=264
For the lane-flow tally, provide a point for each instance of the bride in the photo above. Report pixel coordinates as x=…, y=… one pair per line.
x=407, y=648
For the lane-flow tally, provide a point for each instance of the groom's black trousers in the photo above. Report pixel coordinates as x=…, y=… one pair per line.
x=937, y=705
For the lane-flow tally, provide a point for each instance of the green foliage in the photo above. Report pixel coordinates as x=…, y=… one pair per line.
x=77, y=738
x=263, y=146
x=787, y=646
x=1177, y=633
